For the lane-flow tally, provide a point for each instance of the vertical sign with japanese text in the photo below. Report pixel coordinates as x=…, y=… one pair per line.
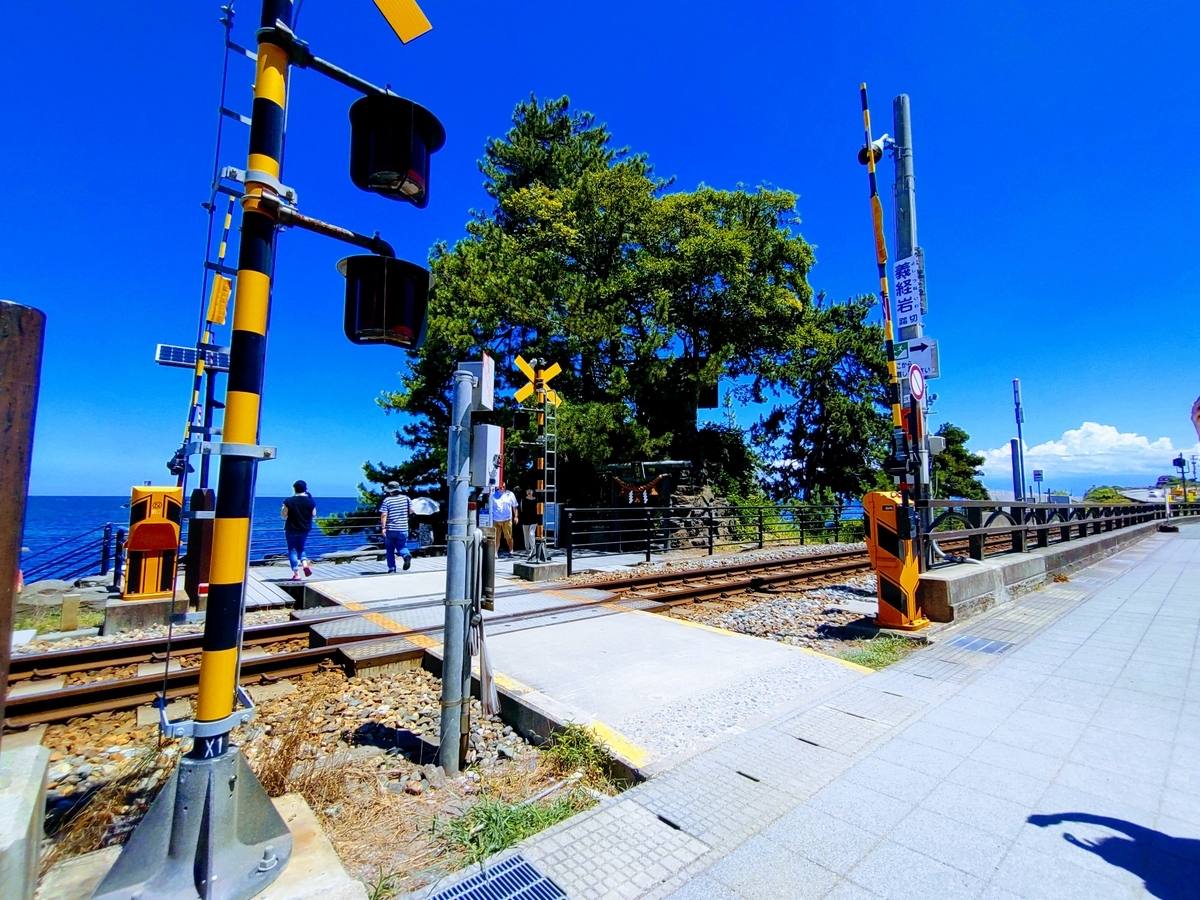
x=907, y=281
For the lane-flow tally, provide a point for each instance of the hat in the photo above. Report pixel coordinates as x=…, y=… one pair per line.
x=393, y=487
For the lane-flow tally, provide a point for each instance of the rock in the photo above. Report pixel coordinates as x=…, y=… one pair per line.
x=506, y=751
x=435, y=775
x=416, y=788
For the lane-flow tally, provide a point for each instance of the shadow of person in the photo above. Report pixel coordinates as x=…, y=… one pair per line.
x=1168, y=866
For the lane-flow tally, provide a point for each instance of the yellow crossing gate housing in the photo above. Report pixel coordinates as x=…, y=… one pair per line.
x=897, y=569
x=152, y=548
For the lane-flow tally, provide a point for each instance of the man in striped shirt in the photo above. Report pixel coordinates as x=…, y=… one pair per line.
x=394, y=519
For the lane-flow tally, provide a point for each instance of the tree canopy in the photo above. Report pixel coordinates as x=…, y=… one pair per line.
x=646, y=296
x=956, y=469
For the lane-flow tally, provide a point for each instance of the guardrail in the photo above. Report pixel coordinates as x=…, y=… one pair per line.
x=92, y=552
x=663, y=529
x=1036, y=524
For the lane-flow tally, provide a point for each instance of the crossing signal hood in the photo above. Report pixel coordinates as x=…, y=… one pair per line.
x=387, y=301
x=391, y=140
x=888, y=526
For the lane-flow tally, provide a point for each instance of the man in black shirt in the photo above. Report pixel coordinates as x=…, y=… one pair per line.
x=298, y=512
x=530, y=520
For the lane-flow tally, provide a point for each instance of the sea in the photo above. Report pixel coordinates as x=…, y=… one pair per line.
x=66, y=526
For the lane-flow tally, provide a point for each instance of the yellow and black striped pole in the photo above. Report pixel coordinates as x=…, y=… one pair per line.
x=881, y=259
x=248, y=344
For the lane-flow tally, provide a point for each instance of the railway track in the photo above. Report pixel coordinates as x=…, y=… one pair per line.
x=667, y=589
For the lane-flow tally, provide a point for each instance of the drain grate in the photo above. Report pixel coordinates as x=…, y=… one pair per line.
x=978, y=644
x=512, y=879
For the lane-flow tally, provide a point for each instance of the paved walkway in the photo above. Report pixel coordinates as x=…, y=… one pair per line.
x=1057, y=757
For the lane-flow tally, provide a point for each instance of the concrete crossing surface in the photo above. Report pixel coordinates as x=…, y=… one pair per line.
x=1049, y=749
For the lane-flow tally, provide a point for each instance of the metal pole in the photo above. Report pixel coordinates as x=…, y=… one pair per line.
x=213, y=820
x=1019, y=412
x=1015, y=451
x=904, y=206
x=458, y=464
x=105, y=551
x=22, y=329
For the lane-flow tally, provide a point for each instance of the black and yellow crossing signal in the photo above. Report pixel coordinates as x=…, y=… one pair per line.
x=890, y=547
x=212, y=820
x=537, y=381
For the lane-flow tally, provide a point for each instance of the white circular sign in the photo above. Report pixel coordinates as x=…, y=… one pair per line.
x=916, y=382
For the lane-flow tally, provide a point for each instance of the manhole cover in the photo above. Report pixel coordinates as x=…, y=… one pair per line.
x=978, y=644
x=512, y=879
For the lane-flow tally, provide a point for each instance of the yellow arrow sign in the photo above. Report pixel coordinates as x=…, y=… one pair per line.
x=524, y=393
x=526, y=368
x=552, y=397
x=551, y=372
x=405, y=17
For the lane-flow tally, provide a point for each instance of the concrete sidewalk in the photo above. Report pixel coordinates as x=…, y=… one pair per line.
x=1057, y=756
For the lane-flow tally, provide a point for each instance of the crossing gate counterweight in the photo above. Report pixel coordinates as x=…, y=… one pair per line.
x=152, y=547
x=897, y=568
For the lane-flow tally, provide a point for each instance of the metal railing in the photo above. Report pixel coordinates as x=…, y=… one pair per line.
x=664, y=529
x=92, y=552
x=1029, y=525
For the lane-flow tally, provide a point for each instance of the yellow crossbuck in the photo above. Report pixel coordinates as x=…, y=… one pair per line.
x=537, y=381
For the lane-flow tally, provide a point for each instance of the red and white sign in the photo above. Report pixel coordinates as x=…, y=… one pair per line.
x=916, y=382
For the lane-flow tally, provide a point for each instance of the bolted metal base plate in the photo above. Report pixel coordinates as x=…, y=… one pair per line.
x=211, y=834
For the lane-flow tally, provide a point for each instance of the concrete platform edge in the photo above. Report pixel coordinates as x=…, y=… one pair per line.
x=22, y=804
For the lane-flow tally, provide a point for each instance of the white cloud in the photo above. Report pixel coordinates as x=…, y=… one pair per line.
x=1092, y=449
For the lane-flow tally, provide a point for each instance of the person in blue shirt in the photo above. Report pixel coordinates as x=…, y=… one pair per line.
x=394, y=518
x=298, y=512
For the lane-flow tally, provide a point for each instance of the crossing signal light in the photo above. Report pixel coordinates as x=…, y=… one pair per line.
x=387, y=301
x=876, y=151
x=391, y=140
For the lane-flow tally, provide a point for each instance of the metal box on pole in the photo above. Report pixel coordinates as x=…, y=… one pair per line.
x=487, y=455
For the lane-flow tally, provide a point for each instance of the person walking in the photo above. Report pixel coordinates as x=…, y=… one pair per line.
x=394, y=518
x=298, y=512
x=504, y=515
x=530, y=520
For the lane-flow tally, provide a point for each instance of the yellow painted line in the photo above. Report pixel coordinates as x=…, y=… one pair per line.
x=511, y=684
x=619, y=744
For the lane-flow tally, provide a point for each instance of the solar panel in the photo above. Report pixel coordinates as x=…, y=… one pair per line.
x=185, y=358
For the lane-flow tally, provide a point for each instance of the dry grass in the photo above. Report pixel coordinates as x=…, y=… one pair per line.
x=108, y=816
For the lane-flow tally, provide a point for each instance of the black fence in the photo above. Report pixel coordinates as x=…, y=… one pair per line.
x=92, y=552
x=1029, y=525
x=664, y=529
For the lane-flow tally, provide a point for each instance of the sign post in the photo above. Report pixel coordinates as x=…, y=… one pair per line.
x=1037, y=478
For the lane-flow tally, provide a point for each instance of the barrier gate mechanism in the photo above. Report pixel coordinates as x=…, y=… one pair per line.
x=889, y=532
x=153, y=543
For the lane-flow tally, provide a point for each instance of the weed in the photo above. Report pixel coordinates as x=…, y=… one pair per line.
x=1059, y=578
x=289, y=741
x=45, y=619
x=576, y=749
x=385, y=887
x=491, y=825
x=880, y=651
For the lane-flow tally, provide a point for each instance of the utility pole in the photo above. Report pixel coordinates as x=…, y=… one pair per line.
x=454, y=628
x=1014, y=447
x=1019, y=459
x=21, y=337
x=904, y=205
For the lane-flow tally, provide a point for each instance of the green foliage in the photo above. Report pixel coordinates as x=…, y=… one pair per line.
x=880, y=651
x=1105, y=494
x=826, y=442
x=955, y=470
x=576, y=749
x=385, y=886
x=491, y=825
x=643, y=296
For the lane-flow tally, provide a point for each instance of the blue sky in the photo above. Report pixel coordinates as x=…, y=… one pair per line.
x=1054, y=149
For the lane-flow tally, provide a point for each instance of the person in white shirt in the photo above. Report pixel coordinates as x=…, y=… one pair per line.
x=503, y=505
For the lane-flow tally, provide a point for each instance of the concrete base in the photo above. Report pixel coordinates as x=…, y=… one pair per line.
x=22, y=806
x=968, y=589
x=313, y=873
x=126, y=615
x=547, y=571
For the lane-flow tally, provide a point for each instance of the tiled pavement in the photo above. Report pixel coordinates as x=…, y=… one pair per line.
x=1067, y=765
